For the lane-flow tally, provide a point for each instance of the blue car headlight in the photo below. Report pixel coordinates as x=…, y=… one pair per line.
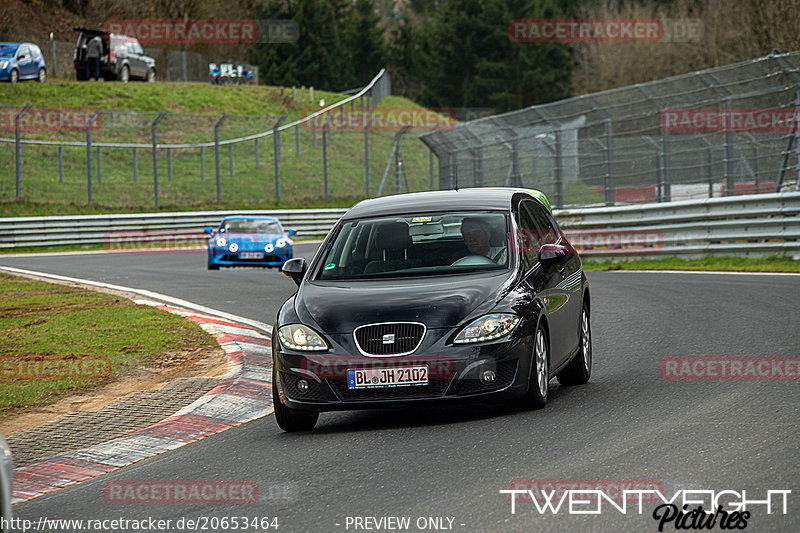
x=487, y=328
x=221, y=242
x=300, y=337
x=268, y=248
x=280, y=243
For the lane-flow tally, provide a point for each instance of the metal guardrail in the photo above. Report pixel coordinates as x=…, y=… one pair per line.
x=128, y=230
x=764, y=224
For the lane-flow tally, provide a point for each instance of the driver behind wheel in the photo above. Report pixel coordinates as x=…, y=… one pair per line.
x=477, y=233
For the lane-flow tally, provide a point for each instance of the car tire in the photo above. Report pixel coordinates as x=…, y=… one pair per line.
x=42, y=75
x=538, y=383
x=151, y=75
x=13, y=77
x=212, y=266
x=125, y=74
x=579, y=370
x=290, y=420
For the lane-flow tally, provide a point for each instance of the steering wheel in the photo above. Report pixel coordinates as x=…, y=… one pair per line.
x=473, y=260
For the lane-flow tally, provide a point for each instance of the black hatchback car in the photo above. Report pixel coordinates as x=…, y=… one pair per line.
x=433, y=297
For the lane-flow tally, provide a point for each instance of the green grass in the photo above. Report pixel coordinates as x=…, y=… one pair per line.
x=187, y=97
x=42, y=322
x=727, y=264
x=194, y=110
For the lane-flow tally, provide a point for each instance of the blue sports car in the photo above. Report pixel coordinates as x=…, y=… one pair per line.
x=249, y=240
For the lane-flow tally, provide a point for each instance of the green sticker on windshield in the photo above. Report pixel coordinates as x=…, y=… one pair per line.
x=330, y=266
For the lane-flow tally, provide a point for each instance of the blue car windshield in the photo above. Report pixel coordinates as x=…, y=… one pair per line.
x=7, y=51
x=250, y=225
x=418, y=245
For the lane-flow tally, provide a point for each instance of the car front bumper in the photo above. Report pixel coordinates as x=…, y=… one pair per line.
x=226, y=258
x=454, y=376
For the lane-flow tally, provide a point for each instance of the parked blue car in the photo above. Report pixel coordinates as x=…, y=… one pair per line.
x=22, y=61
x=248, y=240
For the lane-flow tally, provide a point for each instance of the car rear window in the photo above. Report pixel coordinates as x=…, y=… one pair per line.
x=417, y=245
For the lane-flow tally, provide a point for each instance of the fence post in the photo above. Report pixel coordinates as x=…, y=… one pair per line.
x=216, y=155
x=60, y=164
x=609, y=177
x=367, y=123
x=99, y=165
x=276, y=146
x=325, y=154
x=155, y=155
x=258, y=159
x=559, y=185
x=19, y=149
x=430, y=165
x=135, y=165
x=89, y=155
x=202, y=163
x=54, y=67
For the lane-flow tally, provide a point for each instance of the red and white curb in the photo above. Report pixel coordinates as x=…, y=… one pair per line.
x=244, y=394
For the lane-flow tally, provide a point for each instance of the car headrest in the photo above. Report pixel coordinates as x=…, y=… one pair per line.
x=393, y=236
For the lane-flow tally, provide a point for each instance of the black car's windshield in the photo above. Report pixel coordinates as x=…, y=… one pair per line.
x=7, y=51
x=418, y=245
x=250, y=225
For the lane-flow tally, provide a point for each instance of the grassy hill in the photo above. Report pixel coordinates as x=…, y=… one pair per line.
x=193, y=109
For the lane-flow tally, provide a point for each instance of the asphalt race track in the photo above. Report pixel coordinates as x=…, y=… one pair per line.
x=627, y=424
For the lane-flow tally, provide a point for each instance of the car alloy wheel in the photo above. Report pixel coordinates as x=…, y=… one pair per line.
x=538, y=388
x=42, y=75
x=579, y=370
x=586, y=342
x=151, y=75
x=125, y=74
x=14, y=76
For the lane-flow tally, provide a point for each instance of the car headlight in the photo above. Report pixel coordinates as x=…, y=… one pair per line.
x=280, y=243
x=233, y=247
x=300, y=337
x=268, y=248
x=3, y=64
x=487, y=328
x=221, y=242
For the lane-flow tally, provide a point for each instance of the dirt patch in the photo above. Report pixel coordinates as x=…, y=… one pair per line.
x=189, y=363
x=195, y=362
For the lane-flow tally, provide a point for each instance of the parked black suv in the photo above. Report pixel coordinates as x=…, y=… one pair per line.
x=122, y=59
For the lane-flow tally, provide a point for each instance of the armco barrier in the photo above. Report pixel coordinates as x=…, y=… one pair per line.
x=764, y=224
x=101, y=229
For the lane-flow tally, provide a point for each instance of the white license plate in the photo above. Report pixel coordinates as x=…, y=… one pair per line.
x=251, y=255
x=364, y=378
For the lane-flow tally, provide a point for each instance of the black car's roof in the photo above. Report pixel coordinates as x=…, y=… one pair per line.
x=467, y=199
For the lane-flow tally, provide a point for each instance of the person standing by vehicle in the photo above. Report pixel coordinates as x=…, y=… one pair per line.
x=94, y=50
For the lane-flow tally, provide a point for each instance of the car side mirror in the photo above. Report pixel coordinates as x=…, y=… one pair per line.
x=551, y=252
x=290, y=232
x=209, y=230
x=295, y=268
